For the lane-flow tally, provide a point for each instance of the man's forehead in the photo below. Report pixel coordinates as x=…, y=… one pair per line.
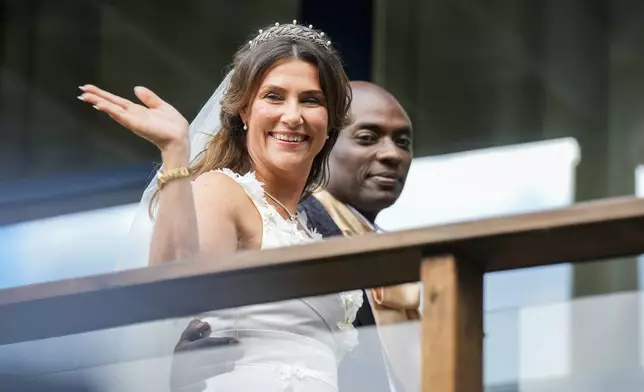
x=384, y=120
x=373, y=104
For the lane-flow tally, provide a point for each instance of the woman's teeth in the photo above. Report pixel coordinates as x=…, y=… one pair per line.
x=289, y=138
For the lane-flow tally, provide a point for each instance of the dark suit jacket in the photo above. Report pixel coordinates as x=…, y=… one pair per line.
x=368, y=355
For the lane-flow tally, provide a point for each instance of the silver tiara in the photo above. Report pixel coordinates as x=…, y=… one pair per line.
x=293, y=31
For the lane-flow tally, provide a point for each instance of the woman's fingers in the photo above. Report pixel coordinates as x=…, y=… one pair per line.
x=122, y=116
x=115, y=99
x=148, y=98
x=102, y=104
x=155, y=121
x=117, y=113
x=94, y=99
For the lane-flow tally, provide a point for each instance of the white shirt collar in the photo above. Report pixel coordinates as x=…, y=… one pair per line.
x=372, y=226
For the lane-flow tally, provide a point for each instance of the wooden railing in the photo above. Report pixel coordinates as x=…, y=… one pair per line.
x=450, y=260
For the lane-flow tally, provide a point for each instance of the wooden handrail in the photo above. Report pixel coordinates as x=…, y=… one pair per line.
x=585, y=231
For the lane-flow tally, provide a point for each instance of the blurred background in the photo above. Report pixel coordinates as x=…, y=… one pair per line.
x=517, y=105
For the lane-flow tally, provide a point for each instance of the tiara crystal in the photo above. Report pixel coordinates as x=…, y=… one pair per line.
x=293, y=31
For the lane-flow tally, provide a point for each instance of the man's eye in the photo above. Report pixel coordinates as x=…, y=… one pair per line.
x=404, y=142
x=367, y=137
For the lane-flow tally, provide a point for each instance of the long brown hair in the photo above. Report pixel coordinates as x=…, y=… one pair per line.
x=227, y=148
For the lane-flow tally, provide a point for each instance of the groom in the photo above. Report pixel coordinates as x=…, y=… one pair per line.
x=368, y=167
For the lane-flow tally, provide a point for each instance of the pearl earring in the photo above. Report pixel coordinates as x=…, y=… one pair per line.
x=245, y=127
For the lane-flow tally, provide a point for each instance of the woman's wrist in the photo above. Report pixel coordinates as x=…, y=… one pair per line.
x=176, y=155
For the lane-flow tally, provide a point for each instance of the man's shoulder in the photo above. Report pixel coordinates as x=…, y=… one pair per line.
x=313, y=205
x=318, y=218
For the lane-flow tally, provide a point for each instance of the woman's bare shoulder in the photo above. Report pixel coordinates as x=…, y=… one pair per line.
x=218, y=195
x=216, y=179
x=218, y=187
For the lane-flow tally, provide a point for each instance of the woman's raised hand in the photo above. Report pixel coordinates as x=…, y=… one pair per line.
x=157, y=121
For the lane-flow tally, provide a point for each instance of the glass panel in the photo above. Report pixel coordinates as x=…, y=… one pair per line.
x=589, y=344
x=294, y=351
x=470, y=75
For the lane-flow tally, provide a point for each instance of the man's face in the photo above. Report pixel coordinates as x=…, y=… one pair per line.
x=371, y=158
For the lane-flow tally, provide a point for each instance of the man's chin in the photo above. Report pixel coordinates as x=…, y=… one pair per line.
x=383, y=199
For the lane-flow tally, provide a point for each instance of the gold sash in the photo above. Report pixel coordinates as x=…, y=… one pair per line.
x=391, y=304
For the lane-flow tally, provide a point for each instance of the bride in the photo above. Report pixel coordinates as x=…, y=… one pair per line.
x=232, y=181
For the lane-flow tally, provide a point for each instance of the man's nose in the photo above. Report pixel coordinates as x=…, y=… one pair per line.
x=389, y=152
x=292, y=115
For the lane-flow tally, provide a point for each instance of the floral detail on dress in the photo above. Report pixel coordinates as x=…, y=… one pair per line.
x=351, y=302
x=248, y=181
x=285, y=232
x=287, y=372
x=289, y=231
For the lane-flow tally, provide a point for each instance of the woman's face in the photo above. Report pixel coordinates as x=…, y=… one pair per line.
x=287, y=120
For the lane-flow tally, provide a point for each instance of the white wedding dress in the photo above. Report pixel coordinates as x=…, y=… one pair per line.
x=293, y=345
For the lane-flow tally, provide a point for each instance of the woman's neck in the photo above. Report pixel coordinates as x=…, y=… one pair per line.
x=286, y=190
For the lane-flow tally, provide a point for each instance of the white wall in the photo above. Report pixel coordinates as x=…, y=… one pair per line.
x=493, y=182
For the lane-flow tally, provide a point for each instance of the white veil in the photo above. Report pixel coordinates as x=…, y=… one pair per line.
x=202, y=128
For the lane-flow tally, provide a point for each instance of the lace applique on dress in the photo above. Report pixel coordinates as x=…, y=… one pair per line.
x=351, y=302
x=279, y=232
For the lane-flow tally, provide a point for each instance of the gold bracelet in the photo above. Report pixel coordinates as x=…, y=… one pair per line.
x=172, y=174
